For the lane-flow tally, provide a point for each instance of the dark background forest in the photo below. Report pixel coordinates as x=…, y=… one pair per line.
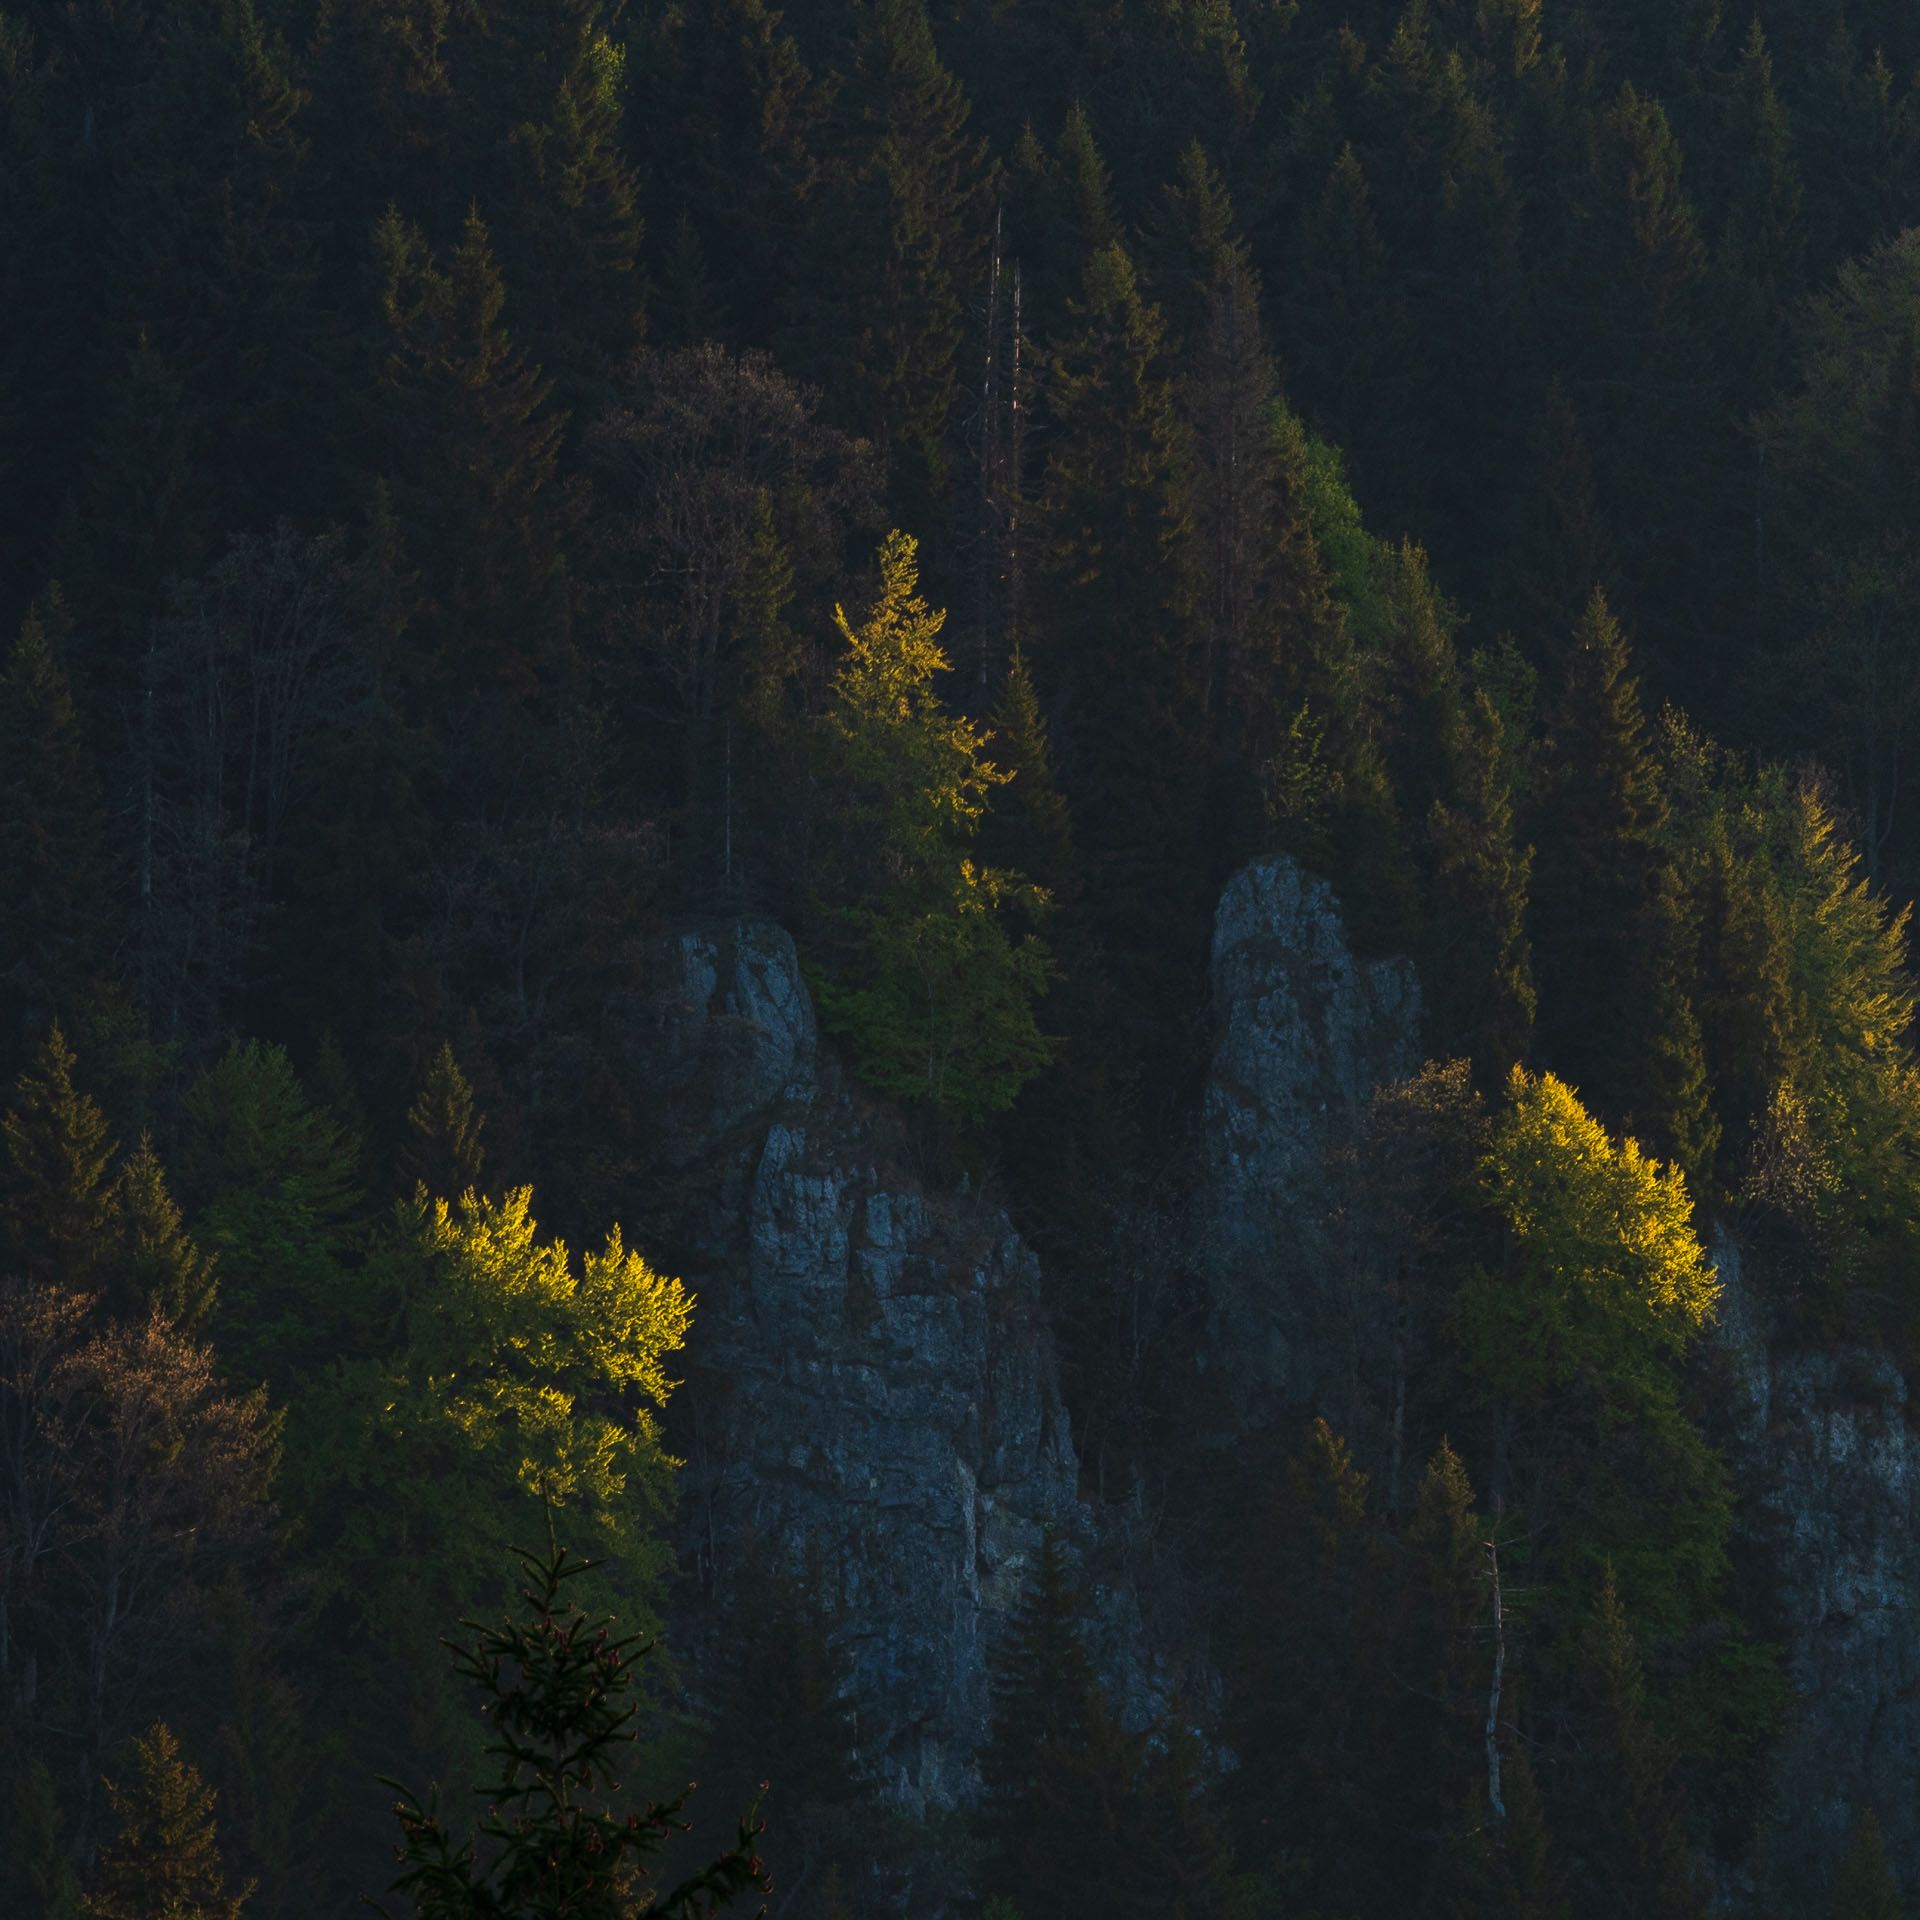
x=478, y=486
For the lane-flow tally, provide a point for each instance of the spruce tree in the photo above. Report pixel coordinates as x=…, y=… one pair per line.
x=558, y=1692
x=1864, y=1887
x=38, y=1877
x=1764, y=241
x=57, y=1208
x=1675, y=1104
x=1112, y=651
x=898, y=249
x=1640, y=1853
x=1477, y=961
x=53, y=869
x=567, y=218
x=443, y=1151
x=473, y=447
x=155, y=1266
x=1029, y=829
x=1042, y=1684
x=780, y=1706
x=1595, y=820
x=164, y=1862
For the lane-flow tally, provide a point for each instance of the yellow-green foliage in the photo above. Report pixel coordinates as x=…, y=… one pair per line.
x=545, y=1371
x=1603, y=1286
x=1809, y=1034
x=933, y=992
x=507, y=1370
x=1607, y=1269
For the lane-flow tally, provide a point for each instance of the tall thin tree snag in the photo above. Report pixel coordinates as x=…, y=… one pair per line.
x=1499, y=1674
x=990, y=464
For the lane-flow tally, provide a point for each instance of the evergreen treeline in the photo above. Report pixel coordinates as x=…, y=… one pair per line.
x=479, y=483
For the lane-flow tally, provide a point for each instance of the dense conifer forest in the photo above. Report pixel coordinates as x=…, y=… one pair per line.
x=484, y=484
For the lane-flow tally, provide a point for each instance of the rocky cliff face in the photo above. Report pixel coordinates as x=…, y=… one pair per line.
x=1825, y=1451
x=871, y=1390
x=1823, y=1445
x=1306, y=1032
x=871, y=1387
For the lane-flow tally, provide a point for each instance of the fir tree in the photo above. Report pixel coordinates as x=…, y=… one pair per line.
x=59, y=1198
x=557, y=1691
x=1042, y=1684
x=929, y=983
x=568, y=221
x=1112, y=649
x=1864, y=1887
x=443, y=1152
x=781, y=1708
x=39, y=1877
x=1029, y=830
x=53, y=870
x=1597, y=811
x=1675, y=1106
x=1560, y=550
x=164, y=1863
x=1764, y=240
x=156, y=1268
x=900, y=243
x=474, y=449
x=1478, y=960
x=1644, y=1857
x=712, y=84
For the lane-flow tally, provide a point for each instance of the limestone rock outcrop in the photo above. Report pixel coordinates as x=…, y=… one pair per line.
x=1827, y=1459
x=871, y=1390
x=1305, y=1033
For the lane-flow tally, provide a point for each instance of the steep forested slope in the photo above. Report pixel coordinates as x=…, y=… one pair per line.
x=485, y=487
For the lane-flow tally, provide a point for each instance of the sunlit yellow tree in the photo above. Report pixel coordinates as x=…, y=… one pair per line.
x=921, y=974
x=1602, y=1286
x=506, y=1373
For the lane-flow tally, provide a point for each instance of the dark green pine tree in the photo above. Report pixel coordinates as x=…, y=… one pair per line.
x=1505, y=1869
x=566, y=216
x=1349, y=335
x=155, y=1266
x=1046, y=1707
x=164, y=1862
x=1596, y=813
x=781, y=1712
x=735, y=132
x=1559, y=548
x=897, y=253
x=473, y=448
x=1113, y=652
x=1864, y=1888
x=1041, y=1679
x=1261, y=628
x=1763, y=246
x=1477, y=963
x=53, y=863
x=443, y=1151
x=1060, y=212
x=1638, y=1855
x=1858, y=144
x=57, y=1207
x=41, y=1883
x=1028, y=829
x=1675, y=1109
x=1745, y=995
x=559, y=1698
x=185, y=360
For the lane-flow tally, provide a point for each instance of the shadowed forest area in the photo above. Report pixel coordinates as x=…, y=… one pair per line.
x=484, y=485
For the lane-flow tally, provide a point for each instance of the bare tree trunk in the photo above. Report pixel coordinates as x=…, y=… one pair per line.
x=1499, y=1675
x=990, y=502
